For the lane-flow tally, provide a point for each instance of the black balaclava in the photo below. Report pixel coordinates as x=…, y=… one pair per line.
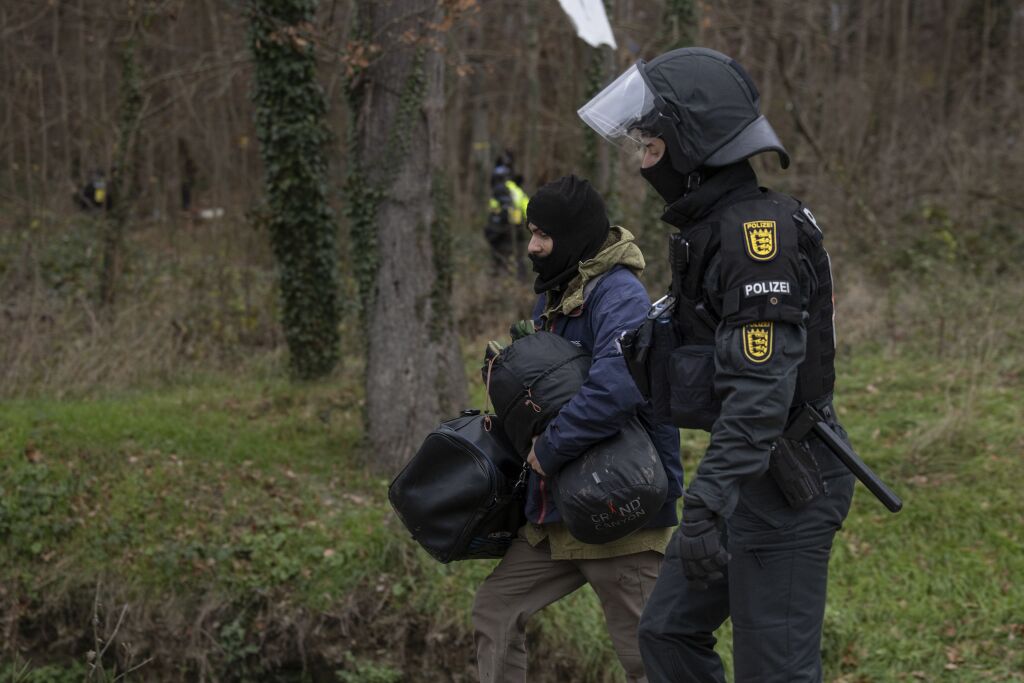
x=571, y=212
x=666, y=180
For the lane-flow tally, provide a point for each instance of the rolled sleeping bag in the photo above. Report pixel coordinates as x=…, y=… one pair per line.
x=531, y=380
x=614, y=488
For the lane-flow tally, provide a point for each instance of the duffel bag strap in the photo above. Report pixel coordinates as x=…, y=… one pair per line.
x=487, y=393
x=521, y=482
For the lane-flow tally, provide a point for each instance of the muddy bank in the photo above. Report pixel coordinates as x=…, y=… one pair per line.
x=204, y=638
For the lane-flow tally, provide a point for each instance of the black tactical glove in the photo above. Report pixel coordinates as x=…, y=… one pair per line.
x=699, y=541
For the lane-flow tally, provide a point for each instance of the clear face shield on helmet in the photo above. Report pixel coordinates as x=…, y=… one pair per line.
x=624, y=112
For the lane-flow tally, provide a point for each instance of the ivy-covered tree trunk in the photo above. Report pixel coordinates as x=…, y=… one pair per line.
x=293, y=139
x=122, y=178
x=398, y=201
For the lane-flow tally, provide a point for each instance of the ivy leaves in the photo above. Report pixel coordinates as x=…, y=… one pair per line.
x=290, y=111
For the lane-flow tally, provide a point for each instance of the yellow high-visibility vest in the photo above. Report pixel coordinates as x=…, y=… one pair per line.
x=517, y=213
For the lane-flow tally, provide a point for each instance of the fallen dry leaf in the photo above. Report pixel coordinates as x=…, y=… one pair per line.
x=353, y=498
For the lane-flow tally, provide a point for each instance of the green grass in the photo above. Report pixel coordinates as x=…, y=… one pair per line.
x=238, y=508
x=931, y=591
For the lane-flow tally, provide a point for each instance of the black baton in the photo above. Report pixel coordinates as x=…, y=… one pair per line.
x=810, y=420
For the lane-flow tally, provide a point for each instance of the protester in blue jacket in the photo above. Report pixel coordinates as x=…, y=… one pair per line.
x=589, y=293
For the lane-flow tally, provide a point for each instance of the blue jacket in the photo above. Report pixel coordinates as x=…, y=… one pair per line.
x=608, y=399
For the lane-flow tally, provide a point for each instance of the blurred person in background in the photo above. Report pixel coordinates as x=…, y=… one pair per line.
x=506, y=212
x=95, y=193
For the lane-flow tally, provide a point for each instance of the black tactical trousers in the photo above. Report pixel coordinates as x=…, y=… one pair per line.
x=774, y=591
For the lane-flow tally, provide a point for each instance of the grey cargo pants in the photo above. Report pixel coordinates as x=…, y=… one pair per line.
x=527, y=580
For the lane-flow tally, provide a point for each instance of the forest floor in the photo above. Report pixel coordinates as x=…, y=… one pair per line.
x=227, y=530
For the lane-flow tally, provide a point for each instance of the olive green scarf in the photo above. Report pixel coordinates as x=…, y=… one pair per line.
x=619, y=249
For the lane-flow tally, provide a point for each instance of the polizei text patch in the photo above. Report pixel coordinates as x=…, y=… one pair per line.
x=766, y=287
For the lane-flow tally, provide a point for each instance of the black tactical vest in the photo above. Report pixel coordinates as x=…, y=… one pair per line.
x=768, y=247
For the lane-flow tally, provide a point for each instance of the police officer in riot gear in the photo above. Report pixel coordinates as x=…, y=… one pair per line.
x=749, y=319
x=507, y=210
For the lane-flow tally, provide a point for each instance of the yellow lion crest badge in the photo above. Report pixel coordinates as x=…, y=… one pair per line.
x=757, y=341
x=761, y=240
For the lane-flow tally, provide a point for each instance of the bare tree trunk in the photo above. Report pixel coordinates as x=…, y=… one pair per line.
x=902, y=48
x=124, y=173
x=987, y=18
x=480, y=157
x=1012, y=91
x=63, y=102
x=604, y=152
x=44, y=136
x=83, y=113
x=398, y=203
x=530, y=146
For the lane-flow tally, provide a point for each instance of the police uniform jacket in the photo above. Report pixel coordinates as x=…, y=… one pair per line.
x=754, y=312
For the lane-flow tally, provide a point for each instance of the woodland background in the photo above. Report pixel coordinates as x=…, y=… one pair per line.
x=192, y=479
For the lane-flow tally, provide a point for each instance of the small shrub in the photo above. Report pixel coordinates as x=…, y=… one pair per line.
x=35, y=506
x=23, y=671
x=363, y=671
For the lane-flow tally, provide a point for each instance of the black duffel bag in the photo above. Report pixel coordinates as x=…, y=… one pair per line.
x=530, y=381
x=461, y=495
x=613, y=488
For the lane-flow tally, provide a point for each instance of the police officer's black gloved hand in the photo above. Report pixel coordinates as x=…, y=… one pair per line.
x=699, y=541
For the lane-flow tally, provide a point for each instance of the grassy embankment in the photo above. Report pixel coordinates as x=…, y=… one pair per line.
x=233, y=519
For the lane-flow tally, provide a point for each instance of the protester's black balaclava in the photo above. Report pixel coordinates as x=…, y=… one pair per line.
x=571, y=212
x=665, y=179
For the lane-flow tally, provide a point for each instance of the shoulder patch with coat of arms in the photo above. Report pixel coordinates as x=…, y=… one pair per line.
x=761, y=240
x=758, y=339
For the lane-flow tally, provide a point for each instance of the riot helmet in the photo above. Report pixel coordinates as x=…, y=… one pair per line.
x=702, y=103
